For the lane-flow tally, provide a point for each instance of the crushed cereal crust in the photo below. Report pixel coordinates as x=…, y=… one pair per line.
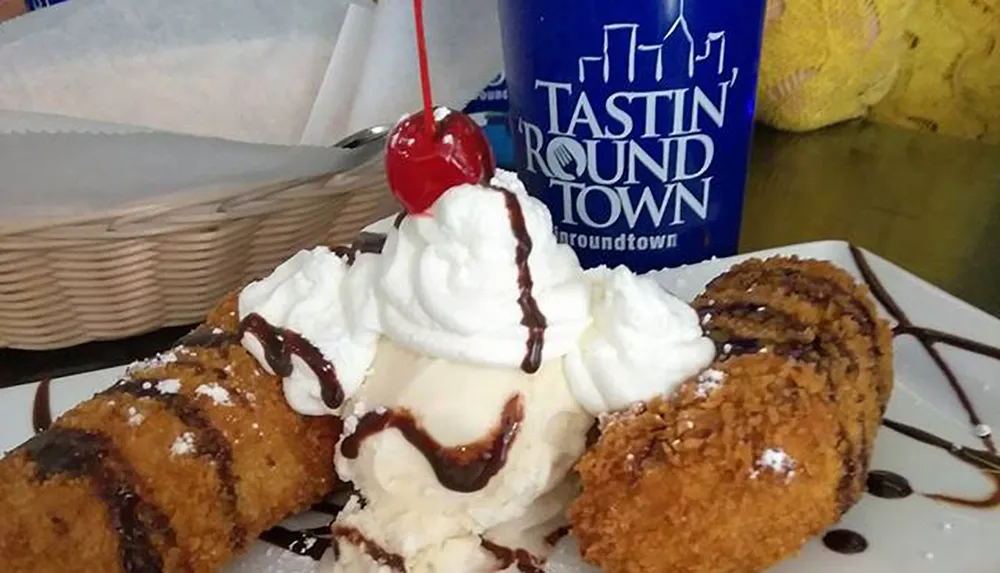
x=282, y=463
x=739, y=468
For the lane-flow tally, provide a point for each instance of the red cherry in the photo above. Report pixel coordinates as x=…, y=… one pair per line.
x=422, y=164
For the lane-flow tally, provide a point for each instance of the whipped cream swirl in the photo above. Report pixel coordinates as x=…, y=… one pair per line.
x=449, y=287
x=453, y=283
x=643, y=342
x=310, y=294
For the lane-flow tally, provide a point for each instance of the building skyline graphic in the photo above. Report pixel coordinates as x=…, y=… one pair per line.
x=625, y=36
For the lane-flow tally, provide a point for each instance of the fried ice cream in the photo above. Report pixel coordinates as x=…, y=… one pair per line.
x=745, y=462
x=176, y=468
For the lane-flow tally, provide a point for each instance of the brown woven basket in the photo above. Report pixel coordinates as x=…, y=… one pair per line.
x=125, y=272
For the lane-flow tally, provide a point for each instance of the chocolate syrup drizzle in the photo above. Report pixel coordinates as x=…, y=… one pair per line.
x=280, y=344
x=312, y=542
x=531, y=316
x=306, y=542
x=378, y=553
x=210, y=442
x=819, y=350
x=365, y=242
x=985, y=460
x=399, y=219
x=41, y=411
x=526, y=562
x=77, y=453
x=309, y=542
x=557, y=535
x=927, y=338
x=466, y=468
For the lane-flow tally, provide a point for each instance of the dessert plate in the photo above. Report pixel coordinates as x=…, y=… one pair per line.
x=915, y=533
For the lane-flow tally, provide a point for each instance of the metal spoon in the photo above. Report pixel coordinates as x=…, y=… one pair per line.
x=363, y=137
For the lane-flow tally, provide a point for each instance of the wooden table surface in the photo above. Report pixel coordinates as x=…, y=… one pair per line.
x=927, y=202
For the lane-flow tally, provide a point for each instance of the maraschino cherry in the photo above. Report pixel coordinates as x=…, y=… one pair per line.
x=429, y=152
x=421, y=166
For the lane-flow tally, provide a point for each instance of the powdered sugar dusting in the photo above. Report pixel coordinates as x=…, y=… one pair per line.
x=135, y=418
x=708, y=382
x=775, y=460
x=217, y=393
x=171, y=386
x=158, y=361
x=605, y=420
x=183, y=445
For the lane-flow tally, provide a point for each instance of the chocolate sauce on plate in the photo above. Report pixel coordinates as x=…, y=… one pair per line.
x=307, y=542
x=888, y=485
x=986, y=459
x=465, y=468
x=983, y=460
x=927, y=338
x=280, y=344
x=41, y=409
x=845, y=541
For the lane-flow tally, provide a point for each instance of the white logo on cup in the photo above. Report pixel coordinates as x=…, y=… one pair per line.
x=629, y=139
x=566, y=158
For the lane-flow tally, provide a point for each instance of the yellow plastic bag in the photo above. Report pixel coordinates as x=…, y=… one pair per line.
x=826, y=61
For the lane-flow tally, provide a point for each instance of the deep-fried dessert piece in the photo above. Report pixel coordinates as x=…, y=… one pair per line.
x=813, y=312
x=176, y=468
x=746, y=462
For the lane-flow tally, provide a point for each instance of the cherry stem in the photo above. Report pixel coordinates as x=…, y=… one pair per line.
x=425, y=72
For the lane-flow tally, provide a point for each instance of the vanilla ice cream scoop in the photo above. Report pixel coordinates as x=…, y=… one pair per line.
x=434, y=438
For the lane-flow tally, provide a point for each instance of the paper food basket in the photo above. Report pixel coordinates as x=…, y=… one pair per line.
x=118, y=273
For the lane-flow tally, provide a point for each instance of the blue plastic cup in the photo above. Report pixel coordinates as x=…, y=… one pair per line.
x=632, y=122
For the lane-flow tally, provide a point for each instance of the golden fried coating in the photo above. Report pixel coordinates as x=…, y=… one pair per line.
x=809, y=301
x=743, y=464
x=175, y=469
x=673, y=488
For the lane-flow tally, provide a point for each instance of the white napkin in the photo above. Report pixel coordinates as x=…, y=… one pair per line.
x=248, y=89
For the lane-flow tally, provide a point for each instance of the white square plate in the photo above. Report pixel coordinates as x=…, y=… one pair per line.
x=915, y=534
